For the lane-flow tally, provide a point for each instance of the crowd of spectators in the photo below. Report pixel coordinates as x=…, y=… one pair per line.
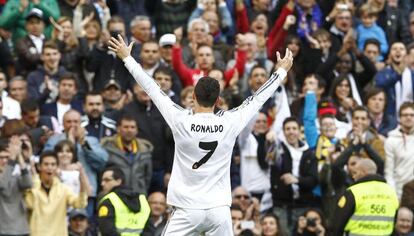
x=71, y=115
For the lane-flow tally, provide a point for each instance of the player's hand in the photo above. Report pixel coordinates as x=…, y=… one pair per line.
x=287, y=61
x=119, y=47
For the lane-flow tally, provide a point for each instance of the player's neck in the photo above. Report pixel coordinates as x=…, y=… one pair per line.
x=200, y=109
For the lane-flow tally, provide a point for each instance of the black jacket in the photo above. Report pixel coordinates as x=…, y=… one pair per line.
x=106, y=218
x=308, y=179
x=152, y=127
x=107, y=66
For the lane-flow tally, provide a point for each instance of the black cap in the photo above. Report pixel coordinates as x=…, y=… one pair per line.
x=36, y=13
x=112, y=82
x=78, y=212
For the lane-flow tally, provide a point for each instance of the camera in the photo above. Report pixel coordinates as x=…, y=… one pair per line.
x=114, y=33
x=246, y=224
x=310, y=222
x=342, y=7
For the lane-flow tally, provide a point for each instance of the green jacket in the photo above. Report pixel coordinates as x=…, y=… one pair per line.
x=13, y=20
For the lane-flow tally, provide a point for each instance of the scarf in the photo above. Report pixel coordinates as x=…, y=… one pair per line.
x=121, y=146
x=307, y=27
x=354, y=89
x=404, y=89
x=261, y=151
x=282, y=109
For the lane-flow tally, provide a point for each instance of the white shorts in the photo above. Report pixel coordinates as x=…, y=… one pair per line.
x=208, y=222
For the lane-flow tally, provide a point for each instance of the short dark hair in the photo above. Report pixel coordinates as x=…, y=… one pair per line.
x=151, y=41
x=69, y=76
x=45, y=154
x=320, y=79
x=203, y=45
x=116, y=173
x=66, y=142
x=126, y=117
x=207, y=91
x=404, y=106
x=49, y=44
x=360, y=108
x=93, y=94
x=374, y=42
x=374, y=91
x=163, y=70
x=257, y=67
x=115, y=19
x=29, y=105
x=291, y=119
x=235, y=207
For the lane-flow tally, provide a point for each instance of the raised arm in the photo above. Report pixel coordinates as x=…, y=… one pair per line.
x=164, y=104
x=252, y=104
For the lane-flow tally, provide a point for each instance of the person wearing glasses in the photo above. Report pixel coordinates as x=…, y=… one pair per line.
x=399, y=150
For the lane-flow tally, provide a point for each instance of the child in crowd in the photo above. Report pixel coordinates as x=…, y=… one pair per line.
x=369, y=29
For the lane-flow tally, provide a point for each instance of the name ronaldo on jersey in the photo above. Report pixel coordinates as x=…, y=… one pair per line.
x=207, y=128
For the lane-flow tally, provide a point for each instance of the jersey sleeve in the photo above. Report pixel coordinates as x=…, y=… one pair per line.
x=164, y=104
x=245, y=112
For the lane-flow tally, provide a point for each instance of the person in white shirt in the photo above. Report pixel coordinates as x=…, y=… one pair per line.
x=199, y=188
x=11, y=107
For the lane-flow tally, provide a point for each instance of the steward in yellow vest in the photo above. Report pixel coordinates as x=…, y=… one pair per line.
x=368, y=207
x=121, y=212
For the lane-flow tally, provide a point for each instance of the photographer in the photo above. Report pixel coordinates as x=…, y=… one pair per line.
x=105, y=64
x=12, y=185
x=311, y=223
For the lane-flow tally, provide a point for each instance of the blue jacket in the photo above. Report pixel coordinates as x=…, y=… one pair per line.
x=386, y=79
x=373, y=32
x=388, y=123
x=35, y=83
x=50, y=109
x=92, y=158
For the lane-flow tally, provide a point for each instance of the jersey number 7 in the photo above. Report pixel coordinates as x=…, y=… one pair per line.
x=208, y=146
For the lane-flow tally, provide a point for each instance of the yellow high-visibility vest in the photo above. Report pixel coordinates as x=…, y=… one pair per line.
x=375, y=206
x=127, y=222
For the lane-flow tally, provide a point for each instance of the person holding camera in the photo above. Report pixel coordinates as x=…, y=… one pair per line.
x=105, y=64
x=311, y=223
x=12, y=186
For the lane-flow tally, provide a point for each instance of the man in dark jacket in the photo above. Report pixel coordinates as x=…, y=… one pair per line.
x=294, y=176
x=94, y=120
x=105, y=64
x=121, y=210
x=42, y=82
x=29, y=48
x=132, y=155
x=152, y=127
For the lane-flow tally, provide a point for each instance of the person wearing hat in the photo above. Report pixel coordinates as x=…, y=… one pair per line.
x=166, y=43
x=78, y=223
x=16, y=14
x=29, y=48
x=114, y=99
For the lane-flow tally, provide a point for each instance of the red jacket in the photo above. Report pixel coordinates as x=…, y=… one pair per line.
x=277, y=35
x=189, y=76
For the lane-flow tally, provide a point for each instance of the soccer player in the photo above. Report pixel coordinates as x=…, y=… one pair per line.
x=199, y=188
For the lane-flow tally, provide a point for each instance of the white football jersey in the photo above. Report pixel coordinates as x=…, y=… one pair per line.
x=200, y=177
